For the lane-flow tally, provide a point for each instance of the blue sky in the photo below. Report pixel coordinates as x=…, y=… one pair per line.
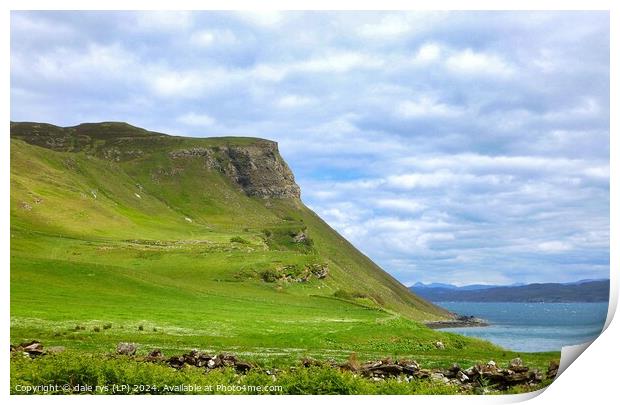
x=459, y=147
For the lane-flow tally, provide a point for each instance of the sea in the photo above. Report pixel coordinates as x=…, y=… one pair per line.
x=532, y=327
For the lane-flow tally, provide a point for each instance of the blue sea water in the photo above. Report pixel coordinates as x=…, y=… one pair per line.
x=532, y=327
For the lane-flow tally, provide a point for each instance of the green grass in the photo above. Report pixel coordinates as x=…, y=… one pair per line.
x=174, y=247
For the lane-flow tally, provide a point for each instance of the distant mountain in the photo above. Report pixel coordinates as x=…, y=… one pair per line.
x=453, y=287
x=579, y=291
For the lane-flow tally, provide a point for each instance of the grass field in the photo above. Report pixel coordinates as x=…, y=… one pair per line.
x=170, y=254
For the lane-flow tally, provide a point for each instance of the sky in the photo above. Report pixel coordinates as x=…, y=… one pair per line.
x=453, y=147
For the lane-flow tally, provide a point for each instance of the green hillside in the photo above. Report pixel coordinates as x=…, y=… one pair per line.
x=181, y=243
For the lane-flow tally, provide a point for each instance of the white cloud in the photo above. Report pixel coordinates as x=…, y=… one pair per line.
x=476, y=63
x=265, y=19
x=396, y=26
x=208, y=38
x=294, y=101
x=66, y=64
x=166, y=82
x=388, y=26
x=33, y=27
x=429, y=52
x=400, y=205
x=554, y=246
x=155, y=21
x=178, y=84
x=427, y=106
x=203, y=38
x=339, y=62
x=197, y=120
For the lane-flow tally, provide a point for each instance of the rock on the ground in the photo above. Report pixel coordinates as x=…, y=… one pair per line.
x=127, y=349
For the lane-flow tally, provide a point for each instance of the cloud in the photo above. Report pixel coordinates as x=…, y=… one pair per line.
x=388, y=26
x=428, y=53
x=469, y=62
x=400, y=205
x=425, y=106
x=264, y=19
x=196, y=120
x=211, y=38
x=554, y=246
x=294, y=101
x=162, y=20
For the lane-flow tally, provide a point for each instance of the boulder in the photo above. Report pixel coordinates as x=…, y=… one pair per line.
x=176, y=361
x=155, y=355
x=462, y=377
x=242, y=366
x=127, y=349
x=300, y=237
x=439, y=345
x=517, y=366
x=386, y=370
x=453, y=370
x=552, y=371
x=409, y=366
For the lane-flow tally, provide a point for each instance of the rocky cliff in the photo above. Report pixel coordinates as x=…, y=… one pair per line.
x=257, y=168
x=255, y=165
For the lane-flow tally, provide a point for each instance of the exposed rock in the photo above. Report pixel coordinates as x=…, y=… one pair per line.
x=552, y=371
x=462, y=377
x=320, y=271
x=437, y=376
x=409, y=366
x=453, y=370
x=515, y=363
x=459, y=321
x=517, y=366
x=242, y=366
x=176, y=361
x=155, y=355
x=257, y=168
x=126, y=349
x=34, y=348
x=196, y=358
x=301, y=237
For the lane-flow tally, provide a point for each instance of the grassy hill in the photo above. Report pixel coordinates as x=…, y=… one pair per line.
x=181, y=243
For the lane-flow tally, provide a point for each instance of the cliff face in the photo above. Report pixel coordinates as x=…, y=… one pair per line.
x=255, y=165
x=258, y=168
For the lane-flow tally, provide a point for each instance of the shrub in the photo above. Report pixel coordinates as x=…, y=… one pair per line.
x=107, y=326
x=270, y=275
x=345, y=295
x=349, y=295
x=96, y=329
x=238, y=239
x=141, y=327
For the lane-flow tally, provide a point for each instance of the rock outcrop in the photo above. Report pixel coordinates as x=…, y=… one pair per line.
x=257, y=168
